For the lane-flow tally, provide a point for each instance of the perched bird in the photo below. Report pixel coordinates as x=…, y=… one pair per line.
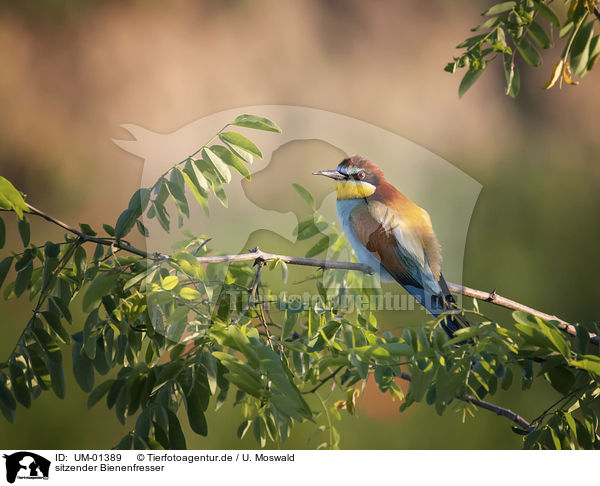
x=392, y=235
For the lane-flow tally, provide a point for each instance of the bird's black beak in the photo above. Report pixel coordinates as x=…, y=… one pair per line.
x=332, y=174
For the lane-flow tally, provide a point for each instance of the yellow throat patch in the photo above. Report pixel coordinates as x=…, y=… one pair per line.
x=353, y=189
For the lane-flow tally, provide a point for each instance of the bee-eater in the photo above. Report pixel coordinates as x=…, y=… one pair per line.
x=392, y=235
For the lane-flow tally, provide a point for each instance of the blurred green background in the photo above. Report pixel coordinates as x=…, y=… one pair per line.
x=73, y=72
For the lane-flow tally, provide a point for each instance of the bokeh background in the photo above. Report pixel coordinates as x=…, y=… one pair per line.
x=73, y=72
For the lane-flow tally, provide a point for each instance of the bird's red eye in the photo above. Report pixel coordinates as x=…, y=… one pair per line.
x=360, y=175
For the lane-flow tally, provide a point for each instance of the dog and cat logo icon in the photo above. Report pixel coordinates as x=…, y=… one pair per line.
x=26, y=465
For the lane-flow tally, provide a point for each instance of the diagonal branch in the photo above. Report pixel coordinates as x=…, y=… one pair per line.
x=114, y=243
x=497, y=409
x=494, y=298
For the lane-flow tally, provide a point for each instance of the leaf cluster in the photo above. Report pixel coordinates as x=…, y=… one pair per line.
x=518, y=30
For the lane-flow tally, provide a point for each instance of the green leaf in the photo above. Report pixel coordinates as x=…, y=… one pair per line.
x=256, y=122
x=192, y=167
x=195, y=412
x=142, y=229
x=241, y=375
x=471, y=41
x=220, y=166
x=210, y=363
x=87, y=229
x=176, y=187
x=125, y=223
x=168, y=371
x=288, y=325
x=176, y=437
x=467, y=81
x=188, y=293
x=90, y=334
x=24, y=231
x=220, y=193
x=243, y=428
x=191, y=178
x=53, y=360
x=304, y=194
x=231, y=159
x=450, y=67
x=109, y=229
x=102, y=285
x=285, y=395
x=188, y=264
x=488, y=24
x=561, y=378
x=10, y=198
x=83, y=369
x=51, y=250
x=23, y=280
x=580, y=51
x=319, y=247
x=5, y=268
x=565, y=29
x=547, y=12
x=589, y=363
x=170, y=282
x=594, y=52
x=99, y=392
x=48, y=272
x=8, y=404
x=500, y=8
x=385, y=350
x=139, y=201
x=161, y=215
x=539, y=35
x=53, y=320
x=58, y=307
x=242, y=142
x=19, y=384
x=529, y=53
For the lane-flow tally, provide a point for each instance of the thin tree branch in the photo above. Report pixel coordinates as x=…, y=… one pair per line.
x=497, y=409
x=256, y=253
x=491, y=297
x=324, y=380
x=311, y=262
x=494, y=298
x=115, y=243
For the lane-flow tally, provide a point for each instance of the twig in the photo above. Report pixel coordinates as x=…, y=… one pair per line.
x=324, y=380
x=491, y=297
x=93, y=239
x=494, y=298
x=310, y=262
x=256, y=253
x=497, y=409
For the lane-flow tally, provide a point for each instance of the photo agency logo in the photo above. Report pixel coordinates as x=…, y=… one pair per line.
x=285, y=209
x=26, y=465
